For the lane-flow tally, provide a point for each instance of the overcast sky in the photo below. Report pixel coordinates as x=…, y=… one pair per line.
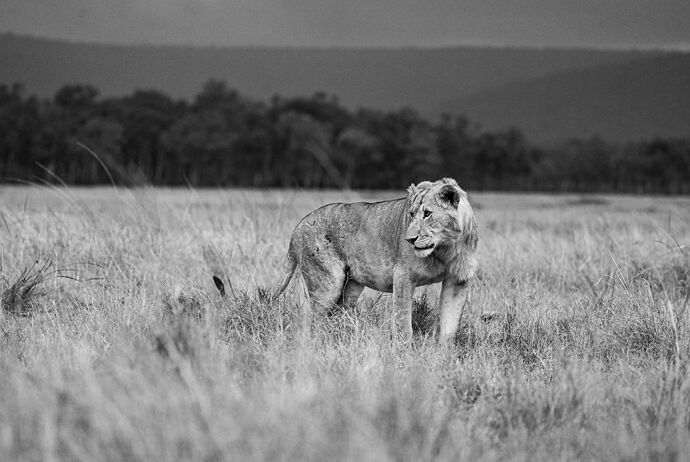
x=581, y=23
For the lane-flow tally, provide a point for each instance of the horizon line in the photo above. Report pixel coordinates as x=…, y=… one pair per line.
x=685, y=48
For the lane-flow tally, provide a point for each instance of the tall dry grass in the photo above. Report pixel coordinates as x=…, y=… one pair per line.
x=576, y=345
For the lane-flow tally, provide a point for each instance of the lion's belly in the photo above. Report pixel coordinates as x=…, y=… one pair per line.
x=379, y=276
x=383, y=280
x=374, y=277
x=422, y=280
x=370, y=263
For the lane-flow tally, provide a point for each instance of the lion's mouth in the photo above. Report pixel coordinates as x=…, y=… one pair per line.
x=424, y=251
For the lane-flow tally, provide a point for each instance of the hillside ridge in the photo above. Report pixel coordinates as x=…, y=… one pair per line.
x=471, y=80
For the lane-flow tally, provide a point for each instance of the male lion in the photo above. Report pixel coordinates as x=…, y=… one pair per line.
x=391, y=246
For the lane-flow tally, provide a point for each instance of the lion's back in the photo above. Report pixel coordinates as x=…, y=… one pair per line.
x=330, y=222
x=350, y=227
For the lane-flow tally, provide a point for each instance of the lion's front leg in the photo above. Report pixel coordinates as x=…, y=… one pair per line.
x=403, y=291
x=454, y=295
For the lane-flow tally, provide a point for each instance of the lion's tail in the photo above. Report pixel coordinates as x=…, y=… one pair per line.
x=288, y=272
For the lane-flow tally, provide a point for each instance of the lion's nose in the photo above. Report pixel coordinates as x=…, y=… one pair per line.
x=412, y=239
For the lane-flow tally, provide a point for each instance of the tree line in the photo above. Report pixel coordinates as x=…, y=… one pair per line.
x=222, y=138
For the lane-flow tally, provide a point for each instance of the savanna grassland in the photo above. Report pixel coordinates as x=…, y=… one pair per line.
x=114, y=344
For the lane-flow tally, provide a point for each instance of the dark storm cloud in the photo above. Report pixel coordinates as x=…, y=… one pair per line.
x=603, y=23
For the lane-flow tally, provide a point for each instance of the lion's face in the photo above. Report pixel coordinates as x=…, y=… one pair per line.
x=441, y=217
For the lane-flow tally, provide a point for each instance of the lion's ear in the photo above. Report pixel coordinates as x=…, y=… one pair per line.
x=450, y=194
x=412, y=189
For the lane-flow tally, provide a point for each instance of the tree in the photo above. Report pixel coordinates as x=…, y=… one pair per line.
x=78, y=97
x=225, y=138
x=307, y=157
x=144, y=116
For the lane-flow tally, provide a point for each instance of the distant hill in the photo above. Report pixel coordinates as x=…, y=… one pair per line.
x=498, y=86
x=632, y=100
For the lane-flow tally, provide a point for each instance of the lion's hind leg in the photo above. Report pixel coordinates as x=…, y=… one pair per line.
x=351, y=292
x=325, y=286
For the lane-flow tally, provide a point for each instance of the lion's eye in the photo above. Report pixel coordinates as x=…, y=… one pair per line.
x=427, y=213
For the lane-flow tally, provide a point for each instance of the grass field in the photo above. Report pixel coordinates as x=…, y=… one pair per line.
x=114, y=344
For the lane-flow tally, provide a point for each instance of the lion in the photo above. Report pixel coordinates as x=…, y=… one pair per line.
x=393, y=246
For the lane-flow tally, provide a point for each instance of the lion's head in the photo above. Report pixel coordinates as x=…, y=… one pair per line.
x=441, y=218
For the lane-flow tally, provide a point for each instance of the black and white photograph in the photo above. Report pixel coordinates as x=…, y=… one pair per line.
x=365, y=230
